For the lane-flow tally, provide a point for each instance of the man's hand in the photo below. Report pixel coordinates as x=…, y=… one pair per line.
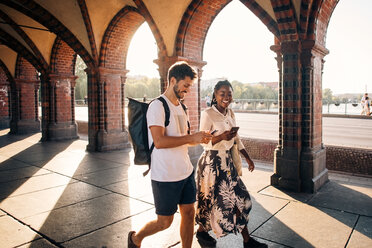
x=201, y=137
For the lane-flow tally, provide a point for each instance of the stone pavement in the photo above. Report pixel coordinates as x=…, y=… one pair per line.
x=55, y=194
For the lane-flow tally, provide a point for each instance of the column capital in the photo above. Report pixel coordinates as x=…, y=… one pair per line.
x=165, y=62
x=60, y=78
x=314, y=47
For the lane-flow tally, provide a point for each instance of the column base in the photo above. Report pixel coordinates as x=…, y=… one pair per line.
x=307, y=173
x=287, y=173
x=62, y=131
x=109, y=141
x=314, y=173
x=25, y=127
x=4, y=123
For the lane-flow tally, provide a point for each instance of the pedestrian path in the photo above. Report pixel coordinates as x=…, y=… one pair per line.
x=55, y=194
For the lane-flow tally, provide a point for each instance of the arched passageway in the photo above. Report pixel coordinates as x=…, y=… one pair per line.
x=101, y=36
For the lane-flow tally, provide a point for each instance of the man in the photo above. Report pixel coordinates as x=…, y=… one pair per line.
x=362, y=103
x=172, y=174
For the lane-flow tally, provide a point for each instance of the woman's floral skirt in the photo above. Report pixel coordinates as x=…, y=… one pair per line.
x=223, y=200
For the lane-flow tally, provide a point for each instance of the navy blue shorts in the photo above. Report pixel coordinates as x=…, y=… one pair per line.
x=167, y=195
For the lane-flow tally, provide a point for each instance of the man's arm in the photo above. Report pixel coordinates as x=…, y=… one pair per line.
x=163, y=141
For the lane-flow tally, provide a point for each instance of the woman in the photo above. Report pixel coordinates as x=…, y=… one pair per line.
x=367, y=105
x=223, y=200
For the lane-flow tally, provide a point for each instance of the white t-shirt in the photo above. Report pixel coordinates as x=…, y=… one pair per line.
x=169, y=164
x=211, y=119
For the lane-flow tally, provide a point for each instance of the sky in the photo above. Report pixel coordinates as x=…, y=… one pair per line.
x=238, y=44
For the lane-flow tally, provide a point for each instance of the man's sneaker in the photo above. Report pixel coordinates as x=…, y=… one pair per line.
x=252, y=243
x=131, y=244
x=205, y=239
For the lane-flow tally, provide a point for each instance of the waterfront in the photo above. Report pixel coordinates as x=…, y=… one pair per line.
x=351, y=132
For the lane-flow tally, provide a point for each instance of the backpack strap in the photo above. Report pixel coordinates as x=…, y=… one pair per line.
x=166, y=123
x=166, y=110
x=188, y=123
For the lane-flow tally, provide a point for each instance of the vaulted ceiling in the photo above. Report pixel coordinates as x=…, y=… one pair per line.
x=29, y=27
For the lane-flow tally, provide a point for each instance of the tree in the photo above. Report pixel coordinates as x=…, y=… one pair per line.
x=327, y=95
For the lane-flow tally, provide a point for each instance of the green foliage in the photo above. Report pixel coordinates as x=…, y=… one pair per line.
x=327, y=95
x=139, y=86
x=246, y=91
x=136, y=87
x=81, y=88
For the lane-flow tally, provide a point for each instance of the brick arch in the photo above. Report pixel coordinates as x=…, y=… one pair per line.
x=26, y=38
x=6, y=86
x=115, y=43
x=25, y=70
x=194, y=26
x=321, y=13
x=261, y=14
x=6, y=73
x=35, y=11
x=285, y=15
x=22, y=51
x=199, y=17
x=158, y=37
x=63, y=58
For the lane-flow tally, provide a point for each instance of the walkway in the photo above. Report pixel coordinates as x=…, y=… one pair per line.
x=55, y=194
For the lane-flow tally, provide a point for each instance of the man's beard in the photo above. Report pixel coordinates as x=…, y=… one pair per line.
x=175, y=90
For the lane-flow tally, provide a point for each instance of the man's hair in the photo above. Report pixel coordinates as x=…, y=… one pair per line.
x=180, y=70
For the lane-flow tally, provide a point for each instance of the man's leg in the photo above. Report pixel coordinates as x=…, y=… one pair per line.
x=187, y=224
x=152, y=227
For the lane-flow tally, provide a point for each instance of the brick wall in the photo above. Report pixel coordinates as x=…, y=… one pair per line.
x=4, y=96
x=342, y=159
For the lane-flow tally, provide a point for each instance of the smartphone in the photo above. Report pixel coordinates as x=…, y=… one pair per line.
x=214, y=131
x=234, y=129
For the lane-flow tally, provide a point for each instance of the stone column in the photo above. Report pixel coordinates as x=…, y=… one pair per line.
x=61, y=122
x=287, y=156
x=299, y=160
x=313, y=169
x=106, y=109
x=4, y=104
x=25, y=117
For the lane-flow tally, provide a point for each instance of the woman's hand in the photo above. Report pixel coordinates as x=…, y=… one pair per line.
x=250, y=164
x=228, y=135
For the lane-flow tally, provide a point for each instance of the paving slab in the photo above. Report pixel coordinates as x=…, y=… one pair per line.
x=350, y=179
x=301, y=225
x=37, y=183
x=362, y=234
x=263, y=208
x=105, y=177
x=139, y=188
x=13, y=233
x=40, y=153
x=115, y=236
x=346, y=197
x=256, y=180
x=72, y=221
x=21, y=173
x=11, y=164
x=125, y=156
x=39, y=243
x=233, y=241
x=30, y=204
x=291, y=196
